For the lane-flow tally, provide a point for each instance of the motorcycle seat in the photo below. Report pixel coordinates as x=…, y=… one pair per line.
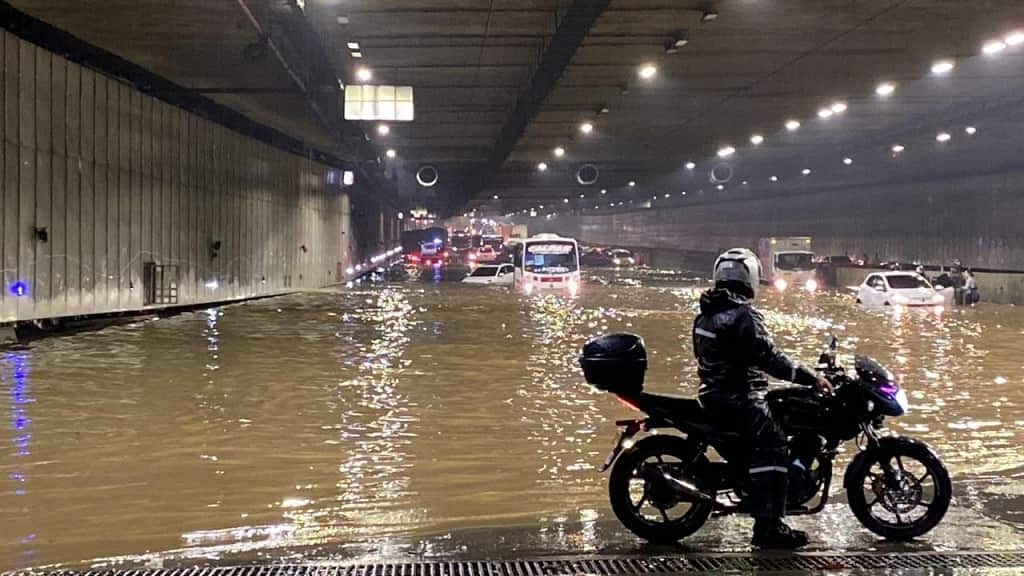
x=686, y=413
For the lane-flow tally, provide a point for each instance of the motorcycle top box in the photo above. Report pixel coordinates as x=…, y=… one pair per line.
x=615, y=363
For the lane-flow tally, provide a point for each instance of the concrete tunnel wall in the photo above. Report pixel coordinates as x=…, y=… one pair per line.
x=119, y=179
x=974, y=218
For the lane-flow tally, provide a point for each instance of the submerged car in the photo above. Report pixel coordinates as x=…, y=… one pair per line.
x=897, y=289
x=497, y=275
x=622, y=258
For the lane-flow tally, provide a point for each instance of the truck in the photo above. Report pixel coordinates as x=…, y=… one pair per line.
x=788, y=262
x=518, y=231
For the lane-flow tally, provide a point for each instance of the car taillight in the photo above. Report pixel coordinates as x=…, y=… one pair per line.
x=413, y=258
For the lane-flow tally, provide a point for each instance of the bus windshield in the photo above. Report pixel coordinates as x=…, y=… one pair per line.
x=551, y=258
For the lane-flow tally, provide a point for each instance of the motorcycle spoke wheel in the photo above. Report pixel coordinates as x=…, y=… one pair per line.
x=649, y=507
x=898, y=502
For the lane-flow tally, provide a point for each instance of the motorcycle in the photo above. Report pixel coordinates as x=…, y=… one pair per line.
x=664, y=486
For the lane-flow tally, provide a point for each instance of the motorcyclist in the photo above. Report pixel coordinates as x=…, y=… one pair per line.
x=734, y=351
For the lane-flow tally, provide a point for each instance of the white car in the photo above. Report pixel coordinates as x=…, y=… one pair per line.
x=495, y=275
x=899, y=289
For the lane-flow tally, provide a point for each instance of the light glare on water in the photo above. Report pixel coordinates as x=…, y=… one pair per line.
x=427, y=420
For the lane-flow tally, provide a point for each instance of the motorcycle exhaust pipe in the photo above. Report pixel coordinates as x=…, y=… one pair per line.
x=687, y=488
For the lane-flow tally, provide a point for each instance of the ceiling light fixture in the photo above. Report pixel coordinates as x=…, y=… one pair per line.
x=756, y=139
x=792, y=125
x=383, y=129
x=542, y=166
x=582, y=196
x=848, y=161
x=726, y=151
x=897, y=148
x=603, y=191
x=353, y=45
x=708, y=13
x=690, y=165
x=774, y=178
x=720, y=187
x=1014, y=38
x=357, y=54
x=824, y=113
x=632, y=183
x=838, y=107
x=971, y=130
x=943, y=67
x=885, y=89
x=993, y=47
x=559, y=152
x=496, y=197
x=363, y=74
x=805, y=171
x=391, y=153
x=943, y=137
x=647, y=71
x=565, y=200
x=586, y=127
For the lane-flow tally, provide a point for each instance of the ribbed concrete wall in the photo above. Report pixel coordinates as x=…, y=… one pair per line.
x=977, y=219
x=119, y=179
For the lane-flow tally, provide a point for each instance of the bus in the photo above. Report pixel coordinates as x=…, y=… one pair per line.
x=545, y=263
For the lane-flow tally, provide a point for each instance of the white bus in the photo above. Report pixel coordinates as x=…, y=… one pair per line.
x=547, y=262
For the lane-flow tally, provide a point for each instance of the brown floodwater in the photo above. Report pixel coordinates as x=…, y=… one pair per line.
x=426, y=419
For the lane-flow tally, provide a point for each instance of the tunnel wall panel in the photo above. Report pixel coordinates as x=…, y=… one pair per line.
x=119, y=179
x=976, y=219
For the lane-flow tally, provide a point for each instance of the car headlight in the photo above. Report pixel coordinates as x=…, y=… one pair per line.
x=780, y=284
x=631, y=260
x=616, y=261
x=811, y=285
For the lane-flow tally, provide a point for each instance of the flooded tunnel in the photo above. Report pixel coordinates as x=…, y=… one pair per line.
x=302, y=286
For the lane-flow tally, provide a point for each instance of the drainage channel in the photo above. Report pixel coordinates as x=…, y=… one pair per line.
x=606, y=566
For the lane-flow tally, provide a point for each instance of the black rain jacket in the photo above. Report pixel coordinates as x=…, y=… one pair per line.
x=734, y=350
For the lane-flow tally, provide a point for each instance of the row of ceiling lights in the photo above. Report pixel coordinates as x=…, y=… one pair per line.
x=645, y=72
x=884, y=89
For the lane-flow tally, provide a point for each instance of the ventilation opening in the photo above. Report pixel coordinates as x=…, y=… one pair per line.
x=159, y=284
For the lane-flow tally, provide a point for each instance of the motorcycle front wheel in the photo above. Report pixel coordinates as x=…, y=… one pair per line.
x=899, y=492
x=650, y=509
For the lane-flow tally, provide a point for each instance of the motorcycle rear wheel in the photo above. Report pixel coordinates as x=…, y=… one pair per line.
x=910, y=509
x=651, y=519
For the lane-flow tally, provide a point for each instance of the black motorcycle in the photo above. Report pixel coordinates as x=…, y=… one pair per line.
x=664, y=483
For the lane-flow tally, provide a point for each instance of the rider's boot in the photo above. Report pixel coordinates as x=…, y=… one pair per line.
x=774, y=533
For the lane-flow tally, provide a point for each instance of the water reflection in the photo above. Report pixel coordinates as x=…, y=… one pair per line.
x=14, y=377
x=432, y=419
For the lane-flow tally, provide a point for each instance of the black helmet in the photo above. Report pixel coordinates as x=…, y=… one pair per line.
x=738, y=270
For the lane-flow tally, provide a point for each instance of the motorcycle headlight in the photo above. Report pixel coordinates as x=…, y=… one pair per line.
x=901, y=399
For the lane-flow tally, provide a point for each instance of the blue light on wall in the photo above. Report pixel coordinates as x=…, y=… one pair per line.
x=18, y=288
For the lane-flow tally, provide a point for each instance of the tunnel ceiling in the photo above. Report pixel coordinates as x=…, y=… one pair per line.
x=746, y=67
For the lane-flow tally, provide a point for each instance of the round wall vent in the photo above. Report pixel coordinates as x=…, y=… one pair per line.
x=426, y=176
x=587, y=174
